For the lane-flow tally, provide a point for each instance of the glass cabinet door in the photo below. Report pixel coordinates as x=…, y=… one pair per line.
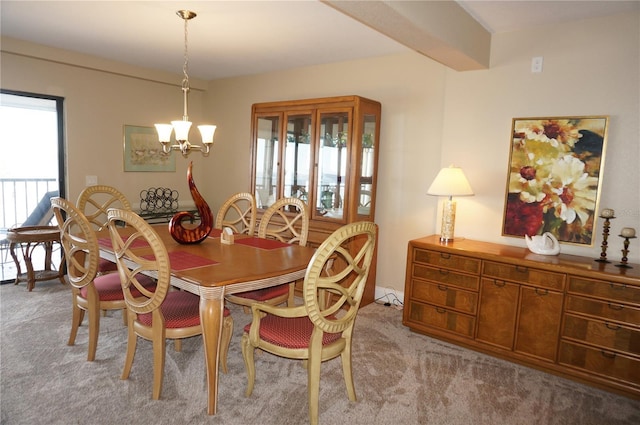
x=266, y=159
x=297, y=169
x=367, y=165
x=332, y=162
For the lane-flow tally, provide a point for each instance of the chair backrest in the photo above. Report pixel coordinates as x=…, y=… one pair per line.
x=42, y=214
x=131, y=265
x=287, y=220
x=352, y=246
x=94, y=201
x=78, y=241
x=239, y=213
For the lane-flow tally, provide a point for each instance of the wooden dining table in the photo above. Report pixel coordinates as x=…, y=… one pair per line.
x=212, y=269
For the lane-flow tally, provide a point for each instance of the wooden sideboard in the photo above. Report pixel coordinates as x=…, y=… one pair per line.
x=564, y=314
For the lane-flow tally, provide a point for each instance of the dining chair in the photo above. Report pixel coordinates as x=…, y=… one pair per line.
x=317, y=330
x=159, y=314
x=238, y=213
x=94, y=201
x=287, y=220
x=90, y=292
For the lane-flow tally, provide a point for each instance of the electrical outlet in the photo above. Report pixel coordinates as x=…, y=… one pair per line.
x=536, y=64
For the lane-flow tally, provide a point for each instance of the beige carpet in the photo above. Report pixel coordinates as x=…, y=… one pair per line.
x=401, y=378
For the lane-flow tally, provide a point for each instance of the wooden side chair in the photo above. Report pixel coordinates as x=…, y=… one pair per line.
x=318, y=330
x=90, y=292
x=94, y=201
x=287, y=220
x=156, y=314
x=238, y=213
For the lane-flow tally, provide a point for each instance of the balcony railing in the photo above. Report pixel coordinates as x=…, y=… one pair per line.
x=18, y=198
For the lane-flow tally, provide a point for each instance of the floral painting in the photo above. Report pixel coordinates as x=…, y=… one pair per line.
x=555, y=170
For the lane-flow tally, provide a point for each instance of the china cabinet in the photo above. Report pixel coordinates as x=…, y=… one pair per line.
x=563, y=314
x=323, y=151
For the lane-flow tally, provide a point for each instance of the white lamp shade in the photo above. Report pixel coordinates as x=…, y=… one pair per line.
x=182, y=129
x=207, y=132
x=164, y=132
x=450, y=181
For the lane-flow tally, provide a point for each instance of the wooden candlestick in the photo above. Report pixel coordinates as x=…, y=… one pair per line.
x=605, y=236
x=625, y=252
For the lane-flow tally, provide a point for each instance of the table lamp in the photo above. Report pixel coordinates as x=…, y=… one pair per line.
x=450, y=182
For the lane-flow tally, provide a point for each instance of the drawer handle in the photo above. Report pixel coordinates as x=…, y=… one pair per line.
x=442, y=287
x=443, y=272
x=616, y=307
x=542, y=292
x=440, y=310
x=522, y=269
x=608, y=355
x=617, y=286
x=499, y=283
x=612, y=326
x=445, y=255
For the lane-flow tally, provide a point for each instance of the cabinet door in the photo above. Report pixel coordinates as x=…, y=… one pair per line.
x=366, y=178
x=266, y=159
x=298, y=156
x=332, y=164
x=539, y=318
x=497, y=312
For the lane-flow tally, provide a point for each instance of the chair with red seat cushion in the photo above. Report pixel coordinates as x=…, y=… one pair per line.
x=322, y=328
x=287, y=220
x=238, y=213
x=94, y=201
x=154, y=314
x=91, y=293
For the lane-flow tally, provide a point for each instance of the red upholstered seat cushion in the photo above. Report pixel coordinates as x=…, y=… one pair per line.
x=180, y=309
x=265, y=293
x=289, y=332
x=109, y=289
x=106, y=266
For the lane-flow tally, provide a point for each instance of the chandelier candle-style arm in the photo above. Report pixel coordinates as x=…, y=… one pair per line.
x=182, y=127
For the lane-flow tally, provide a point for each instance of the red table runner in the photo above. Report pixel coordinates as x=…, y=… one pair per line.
x=262, y=243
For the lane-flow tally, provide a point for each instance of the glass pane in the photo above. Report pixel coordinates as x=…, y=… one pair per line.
x=298, y=157
x=267, y=161
x=367, y=165
x=332, y=164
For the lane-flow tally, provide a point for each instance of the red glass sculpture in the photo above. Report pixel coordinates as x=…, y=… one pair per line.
x=192, y=235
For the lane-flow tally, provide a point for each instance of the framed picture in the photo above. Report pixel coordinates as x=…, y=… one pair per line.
x=143, y=152
x=554, y=178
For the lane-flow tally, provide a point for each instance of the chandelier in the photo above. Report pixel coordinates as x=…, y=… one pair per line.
x=182, y=127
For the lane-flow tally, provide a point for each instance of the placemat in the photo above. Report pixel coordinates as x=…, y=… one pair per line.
x=138, y=243
x=262, y=243
x=181, y=260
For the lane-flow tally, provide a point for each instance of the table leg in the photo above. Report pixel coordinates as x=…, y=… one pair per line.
x=12, y=251
x=211, y=314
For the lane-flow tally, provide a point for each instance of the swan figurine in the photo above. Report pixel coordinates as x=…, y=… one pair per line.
x=545, y=244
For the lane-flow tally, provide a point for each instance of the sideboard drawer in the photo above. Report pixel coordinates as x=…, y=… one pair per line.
x=450, y=261
x=522, y=274
x=446, y=277
x=445, y=296
x=602, y=334
x=603, y=289
x=603, y=309
x=604, y=363
x=442, y=318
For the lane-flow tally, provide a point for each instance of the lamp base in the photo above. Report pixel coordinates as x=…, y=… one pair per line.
x=448, y=220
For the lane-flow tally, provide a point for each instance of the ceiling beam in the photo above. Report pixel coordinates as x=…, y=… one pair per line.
x=441, y=30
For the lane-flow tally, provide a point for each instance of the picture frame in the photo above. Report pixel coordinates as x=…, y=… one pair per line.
x=143, y=152
x=554, y=177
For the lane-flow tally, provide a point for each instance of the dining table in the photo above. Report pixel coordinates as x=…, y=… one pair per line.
x=211, y=269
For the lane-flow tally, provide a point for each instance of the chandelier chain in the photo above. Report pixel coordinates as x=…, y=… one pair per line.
x=185, y=67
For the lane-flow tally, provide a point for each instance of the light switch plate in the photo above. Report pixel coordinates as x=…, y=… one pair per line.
x=91, y=180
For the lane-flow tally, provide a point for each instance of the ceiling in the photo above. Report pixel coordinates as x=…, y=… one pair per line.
x=234, y=38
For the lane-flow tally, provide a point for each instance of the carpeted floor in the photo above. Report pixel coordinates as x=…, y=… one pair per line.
x=401, y=378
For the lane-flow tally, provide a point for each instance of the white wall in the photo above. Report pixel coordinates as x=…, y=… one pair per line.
x=431, y=116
